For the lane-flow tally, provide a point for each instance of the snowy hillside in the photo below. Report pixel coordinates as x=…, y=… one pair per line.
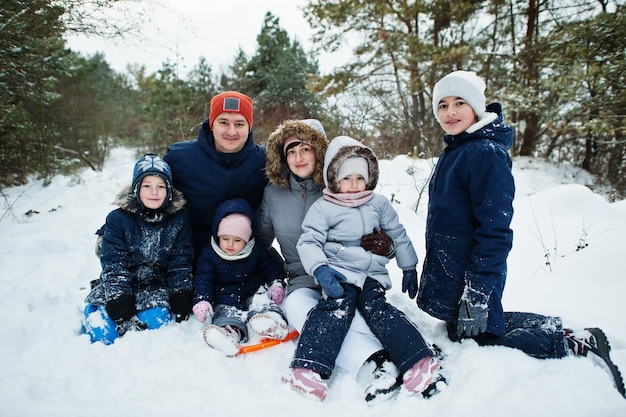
x=567, y=260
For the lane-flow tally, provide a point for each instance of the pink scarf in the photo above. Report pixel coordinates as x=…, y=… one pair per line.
x=348, y=199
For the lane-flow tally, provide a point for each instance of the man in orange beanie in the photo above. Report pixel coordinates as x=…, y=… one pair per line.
x=224, y=162
x=230, y=120
x=232, y=102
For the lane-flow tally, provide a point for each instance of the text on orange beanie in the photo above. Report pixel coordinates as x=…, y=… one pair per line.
x=231, y=101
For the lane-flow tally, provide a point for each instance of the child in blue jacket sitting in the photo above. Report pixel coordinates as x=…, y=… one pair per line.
x=231, y=271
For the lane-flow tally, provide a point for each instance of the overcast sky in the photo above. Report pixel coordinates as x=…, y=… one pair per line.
x=184, y=30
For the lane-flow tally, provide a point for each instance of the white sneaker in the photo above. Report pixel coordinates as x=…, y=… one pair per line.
x=225, y=339
x=269, y=324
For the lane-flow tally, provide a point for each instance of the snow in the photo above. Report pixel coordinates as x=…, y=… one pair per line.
x=49, y=368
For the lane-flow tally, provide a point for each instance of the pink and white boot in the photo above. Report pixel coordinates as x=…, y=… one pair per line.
x=307, y=382
x=417, y=379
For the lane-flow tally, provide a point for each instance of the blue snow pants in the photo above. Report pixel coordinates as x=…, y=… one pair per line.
x=536, y=335
x=101, y=328
x=328, y=322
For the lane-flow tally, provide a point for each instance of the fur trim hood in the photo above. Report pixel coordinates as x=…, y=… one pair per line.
x=342, y=148
x=127, y=201
x=276, y=167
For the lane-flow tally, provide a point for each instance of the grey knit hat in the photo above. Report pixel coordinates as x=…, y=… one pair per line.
x=354, y=165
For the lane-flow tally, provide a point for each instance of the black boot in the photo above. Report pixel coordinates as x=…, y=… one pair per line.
x=595, y=341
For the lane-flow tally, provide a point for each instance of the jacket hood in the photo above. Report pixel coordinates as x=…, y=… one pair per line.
x=342, y=148
x=127, y=201
x=228, y=207
x=276, y=167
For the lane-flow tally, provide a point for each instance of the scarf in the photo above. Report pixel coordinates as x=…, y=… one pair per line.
x=348, y=199
x=245, y=252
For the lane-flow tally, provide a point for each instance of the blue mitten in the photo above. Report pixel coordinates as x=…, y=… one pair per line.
x=329, y=279
x=409, y=282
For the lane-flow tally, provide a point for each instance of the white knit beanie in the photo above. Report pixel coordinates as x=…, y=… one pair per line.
x=464, y=84
x=353, y=165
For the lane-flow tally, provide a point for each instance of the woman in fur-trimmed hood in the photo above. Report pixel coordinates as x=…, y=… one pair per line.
x=353, y=278
x=146, y=257
x=289, y=196
x=308, y=131
x=302, y=144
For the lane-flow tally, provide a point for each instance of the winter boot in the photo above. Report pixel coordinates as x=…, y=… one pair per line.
x=269, y=324
x=594, y=340
x=439, y=384
x=419, y=378
x=308, y=382
x=225, y=339
x=380, y=375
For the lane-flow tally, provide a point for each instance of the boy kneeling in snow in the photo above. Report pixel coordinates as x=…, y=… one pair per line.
x=146, y=258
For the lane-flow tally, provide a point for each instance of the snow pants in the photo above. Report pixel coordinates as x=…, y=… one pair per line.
x=328, y=323
x=359, y=343
x=536, y=335
x=226, y=315
x=101, y=328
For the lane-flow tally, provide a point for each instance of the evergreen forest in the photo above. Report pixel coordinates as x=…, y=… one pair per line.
x=557, y=67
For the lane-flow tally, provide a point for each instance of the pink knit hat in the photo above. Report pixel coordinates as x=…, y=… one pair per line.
x=236, y=224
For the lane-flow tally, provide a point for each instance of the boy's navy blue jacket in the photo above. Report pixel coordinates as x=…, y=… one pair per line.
x=207, y=177
x=468, y=235
x=150, y=260
x=233, y=282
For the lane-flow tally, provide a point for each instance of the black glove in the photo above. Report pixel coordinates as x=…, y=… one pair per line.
x=122, y=326
x=409, y=282
x=472, y=319
x=180, y=305
x=121, y=308
x=379, y=243
x=122, y=311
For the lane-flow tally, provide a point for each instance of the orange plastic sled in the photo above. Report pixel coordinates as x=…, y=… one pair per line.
x=265, y=343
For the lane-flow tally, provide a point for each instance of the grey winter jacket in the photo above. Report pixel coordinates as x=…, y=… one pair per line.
x=287, y=199
x=332, y=233
x=280, y=216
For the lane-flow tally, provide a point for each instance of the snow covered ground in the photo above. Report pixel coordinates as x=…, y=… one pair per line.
x=50, y=369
